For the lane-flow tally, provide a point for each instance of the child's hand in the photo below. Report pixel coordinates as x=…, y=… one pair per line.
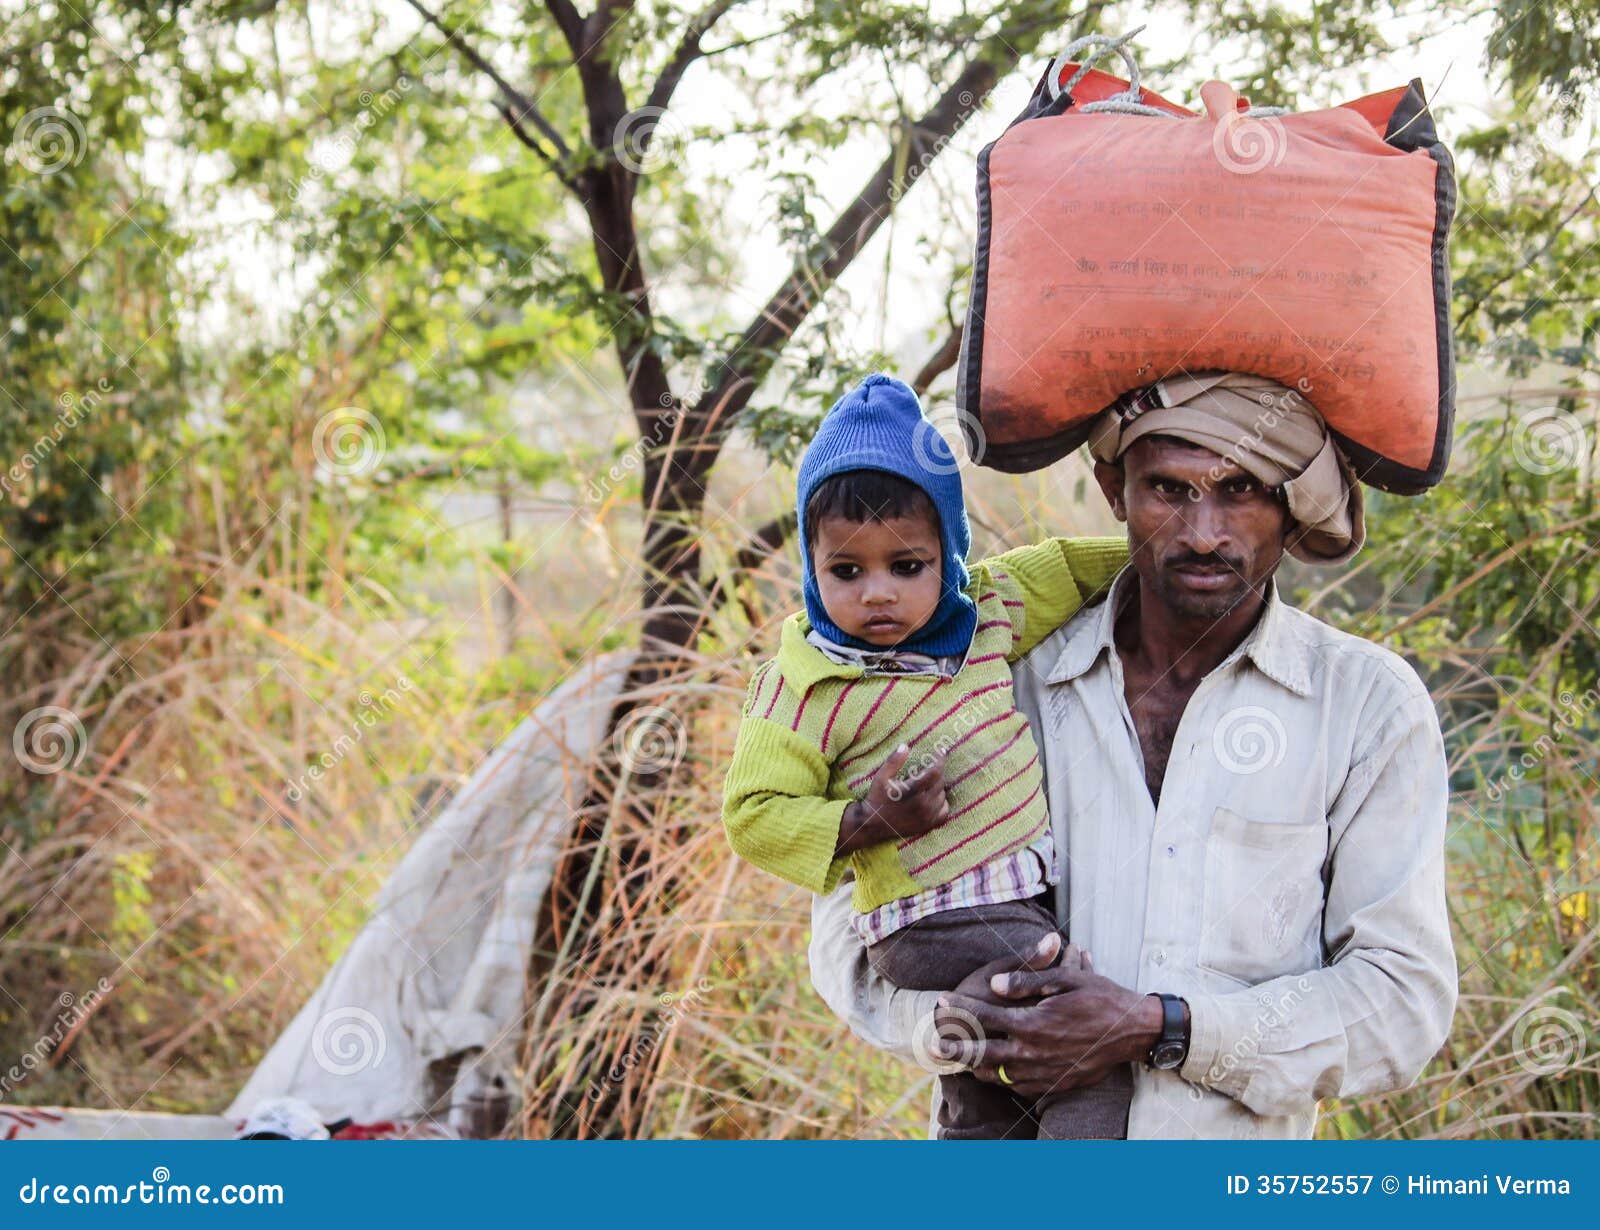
x=895, y=808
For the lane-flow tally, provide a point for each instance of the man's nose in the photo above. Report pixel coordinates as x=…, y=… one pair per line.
x=1205, y=525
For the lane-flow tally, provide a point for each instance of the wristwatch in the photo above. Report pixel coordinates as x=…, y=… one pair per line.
x=1172, y=1047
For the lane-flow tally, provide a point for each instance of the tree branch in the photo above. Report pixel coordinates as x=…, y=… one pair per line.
x=747, y=364
x=687, y=52
x=764, y=542
x=939, y=362
x=517, y=106
x=569, y=22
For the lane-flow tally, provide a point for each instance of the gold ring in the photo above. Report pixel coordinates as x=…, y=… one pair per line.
x=1000, y=1071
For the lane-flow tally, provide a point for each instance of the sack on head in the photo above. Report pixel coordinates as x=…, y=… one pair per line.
x=1122, y=239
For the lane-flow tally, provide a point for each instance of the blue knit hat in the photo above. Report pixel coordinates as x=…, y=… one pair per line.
x=878, y=425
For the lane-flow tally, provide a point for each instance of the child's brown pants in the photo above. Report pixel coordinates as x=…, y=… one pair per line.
x=935, y=954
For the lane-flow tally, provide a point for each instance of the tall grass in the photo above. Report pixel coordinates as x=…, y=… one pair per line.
x=172, y=860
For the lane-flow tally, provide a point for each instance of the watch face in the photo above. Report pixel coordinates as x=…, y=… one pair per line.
x=1167, y=1055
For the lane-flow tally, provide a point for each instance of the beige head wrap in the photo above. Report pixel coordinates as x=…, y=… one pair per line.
x=1268, y=430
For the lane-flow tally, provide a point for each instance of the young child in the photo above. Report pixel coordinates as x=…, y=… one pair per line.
x=899, y=654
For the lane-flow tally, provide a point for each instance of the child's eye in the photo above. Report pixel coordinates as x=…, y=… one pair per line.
x=908, y=567
x=845, y=572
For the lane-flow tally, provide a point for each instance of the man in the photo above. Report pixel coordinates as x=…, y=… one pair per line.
x=1248, y=807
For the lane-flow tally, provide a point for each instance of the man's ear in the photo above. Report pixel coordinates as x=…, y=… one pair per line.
x=1111, y=477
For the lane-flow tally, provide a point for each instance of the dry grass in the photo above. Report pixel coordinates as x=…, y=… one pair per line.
x=172, y=861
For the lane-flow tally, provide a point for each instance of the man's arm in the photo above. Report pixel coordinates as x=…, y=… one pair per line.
x=877, y=1011
x=1371, y=1019
x=880, y=1013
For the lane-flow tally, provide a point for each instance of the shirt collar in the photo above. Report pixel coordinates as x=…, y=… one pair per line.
x=802, y=663
x=1274, y=645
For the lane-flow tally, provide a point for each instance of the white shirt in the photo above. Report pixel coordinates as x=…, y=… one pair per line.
x=1290, y=885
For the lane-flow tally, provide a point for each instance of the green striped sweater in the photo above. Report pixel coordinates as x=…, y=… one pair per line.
x=814, y=732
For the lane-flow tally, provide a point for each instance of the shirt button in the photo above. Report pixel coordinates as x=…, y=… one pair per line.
x=1158, y=957
x=1171, y=850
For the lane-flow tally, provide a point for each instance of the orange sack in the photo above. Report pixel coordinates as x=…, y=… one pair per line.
x=1116, y=249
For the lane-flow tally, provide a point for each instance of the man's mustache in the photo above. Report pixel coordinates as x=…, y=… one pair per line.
x=1209, y=560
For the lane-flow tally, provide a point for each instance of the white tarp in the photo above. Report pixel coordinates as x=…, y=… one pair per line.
x=438, y=975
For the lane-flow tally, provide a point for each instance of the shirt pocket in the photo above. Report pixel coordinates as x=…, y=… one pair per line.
x=1263, y=896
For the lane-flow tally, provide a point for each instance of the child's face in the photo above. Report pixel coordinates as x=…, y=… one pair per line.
x=879, y=580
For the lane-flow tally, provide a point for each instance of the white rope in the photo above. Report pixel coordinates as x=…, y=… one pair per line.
x=1124, y=102
x=1097, y=45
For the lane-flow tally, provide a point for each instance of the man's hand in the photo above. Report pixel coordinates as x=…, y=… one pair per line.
x=894, y=808
x=1053, y=1029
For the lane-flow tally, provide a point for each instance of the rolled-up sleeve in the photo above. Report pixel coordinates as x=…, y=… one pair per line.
x=1379, y=1009
x=877, y=1011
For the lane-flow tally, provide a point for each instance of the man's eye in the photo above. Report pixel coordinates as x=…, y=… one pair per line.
x=1240, y=486
x=844, y=572
x=909, y=567
x=1167, y=487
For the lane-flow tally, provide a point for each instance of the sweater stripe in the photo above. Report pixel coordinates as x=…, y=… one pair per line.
x=850, y=760
x=800, y=711
x=961, y=811
x=951, y=750
x=761, y=682
x=776, y=692
x=944, y=854
x=999, y=751
x=972, y=695
x=882, y=696
x=1005, y=683
x=986, y=795
x=837, y=705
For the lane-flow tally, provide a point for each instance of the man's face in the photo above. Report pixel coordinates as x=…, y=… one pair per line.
x=879, y=580
x=1204, y=533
